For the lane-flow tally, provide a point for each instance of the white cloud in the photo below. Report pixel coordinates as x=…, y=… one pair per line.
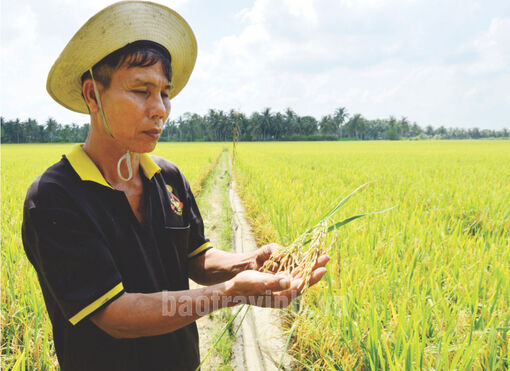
x=393, y=62
x=493, y=48
x=302, y=9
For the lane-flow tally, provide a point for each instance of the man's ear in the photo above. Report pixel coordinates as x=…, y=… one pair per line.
x=89, y=95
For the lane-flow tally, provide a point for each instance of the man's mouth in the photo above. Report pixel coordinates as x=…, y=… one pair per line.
x=154, y=133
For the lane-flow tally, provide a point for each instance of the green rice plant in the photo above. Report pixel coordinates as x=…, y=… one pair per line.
x=427, y=287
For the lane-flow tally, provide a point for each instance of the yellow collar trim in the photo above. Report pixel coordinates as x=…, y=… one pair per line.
x=87, y=169
x=148, y=165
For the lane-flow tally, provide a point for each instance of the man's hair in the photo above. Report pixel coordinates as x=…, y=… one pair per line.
x=141, y=53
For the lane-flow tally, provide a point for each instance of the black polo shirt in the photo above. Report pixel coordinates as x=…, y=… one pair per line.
x=88, y=247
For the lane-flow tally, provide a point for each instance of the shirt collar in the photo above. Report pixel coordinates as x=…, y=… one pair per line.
x=87, y=169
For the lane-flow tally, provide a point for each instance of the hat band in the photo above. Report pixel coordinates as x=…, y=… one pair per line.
x=126, y=156
x=98, y=99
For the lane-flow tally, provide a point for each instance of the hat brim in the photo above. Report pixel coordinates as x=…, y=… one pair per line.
x=113, y=28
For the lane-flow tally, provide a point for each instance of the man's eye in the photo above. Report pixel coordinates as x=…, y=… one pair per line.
x=140, y=92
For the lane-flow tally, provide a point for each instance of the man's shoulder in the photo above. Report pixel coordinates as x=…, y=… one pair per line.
x=171, y=173
x=168, y=168
x=51, y=185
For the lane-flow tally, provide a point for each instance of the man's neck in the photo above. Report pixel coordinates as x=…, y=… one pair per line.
x=106, y=153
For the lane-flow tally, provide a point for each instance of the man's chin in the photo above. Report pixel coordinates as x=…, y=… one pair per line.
x=144, y=147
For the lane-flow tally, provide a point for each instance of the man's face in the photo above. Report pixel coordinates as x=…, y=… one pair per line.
x=136, y=106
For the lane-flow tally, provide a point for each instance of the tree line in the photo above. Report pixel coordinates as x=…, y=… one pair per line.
x=218, y=125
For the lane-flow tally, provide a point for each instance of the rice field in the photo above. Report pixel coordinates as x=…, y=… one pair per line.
x=423, y=286
x=25, y=326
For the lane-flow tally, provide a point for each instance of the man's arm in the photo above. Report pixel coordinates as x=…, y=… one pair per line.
x=136, y=315
x=215, y=266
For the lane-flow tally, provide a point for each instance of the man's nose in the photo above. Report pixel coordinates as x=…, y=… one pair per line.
x=158, y=109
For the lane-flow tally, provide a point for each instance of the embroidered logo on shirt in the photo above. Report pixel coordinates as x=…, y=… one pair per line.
x=175, y=203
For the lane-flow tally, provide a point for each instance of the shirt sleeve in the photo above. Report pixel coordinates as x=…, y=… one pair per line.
x=198, y=244
x=72, y=261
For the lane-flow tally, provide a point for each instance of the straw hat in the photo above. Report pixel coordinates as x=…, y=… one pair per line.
x=111, y=29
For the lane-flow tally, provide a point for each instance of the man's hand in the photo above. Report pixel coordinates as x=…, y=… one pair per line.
x=272, y=290
x=298, y=283
x=262, y=254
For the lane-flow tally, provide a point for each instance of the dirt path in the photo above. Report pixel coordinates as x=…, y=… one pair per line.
x=260, y=342
x=211, y=202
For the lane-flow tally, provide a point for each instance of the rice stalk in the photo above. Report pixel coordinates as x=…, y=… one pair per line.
x=298, y=259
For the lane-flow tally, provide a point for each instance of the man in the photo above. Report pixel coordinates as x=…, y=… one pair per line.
x=115, y=234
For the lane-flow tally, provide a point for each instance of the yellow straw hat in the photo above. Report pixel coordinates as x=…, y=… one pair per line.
x=111, y=29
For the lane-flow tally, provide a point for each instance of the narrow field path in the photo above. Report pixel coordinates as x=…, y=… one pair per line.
x=260, y=342
x=212, y=201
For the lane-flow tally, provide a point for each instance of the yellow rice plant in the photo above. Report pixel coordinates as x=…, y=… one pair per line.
x=298, y=259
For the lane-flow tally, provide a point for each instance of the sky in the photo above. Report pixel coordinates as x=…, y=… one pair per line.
x=435, y=62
